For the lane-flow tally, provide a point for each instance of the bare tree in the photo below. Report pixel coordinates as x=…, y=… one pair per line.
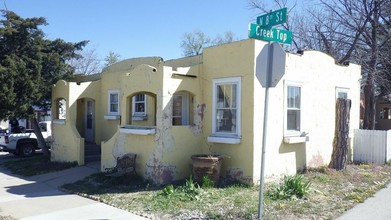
x=350, y=31
x=227, y=38
x=194, y=42
x=112, y=58
x=88, y=64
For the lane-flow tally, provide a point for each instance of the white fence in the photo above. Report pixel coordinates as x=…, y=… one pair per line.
x=372, y=146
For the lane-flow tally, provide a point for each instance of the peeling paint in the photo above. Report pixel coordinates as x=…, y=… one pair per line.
x=198, y=119
x=156, y=169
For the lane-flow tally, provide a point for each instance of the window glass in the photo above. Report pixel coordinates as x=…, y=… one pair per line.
x=139, y=104
x=385, y=113
x=226, y=108
x=293, y=108
x=114, y=102
x=177, y=110
x=113, y=105
x=342, y=95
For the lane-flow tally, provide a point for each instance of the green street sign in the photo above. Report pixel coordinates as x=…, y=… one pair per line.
x=270, y=34
x=273, y=18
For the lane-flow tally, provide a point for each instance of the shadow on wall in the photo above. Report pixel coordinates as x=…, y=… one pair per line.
x=300, y=153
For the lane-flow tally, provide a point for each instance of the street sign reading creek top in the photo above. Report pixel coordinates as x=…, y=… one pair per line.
x=270, y=34
x=263, y=31
x=273, y=18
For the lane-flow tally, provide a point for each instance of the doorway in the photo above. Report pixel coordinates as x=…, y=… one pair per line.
x=89, y=121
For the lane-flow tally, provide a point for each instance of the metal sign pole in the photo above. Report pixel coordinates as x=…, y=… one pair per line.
x=269, y=71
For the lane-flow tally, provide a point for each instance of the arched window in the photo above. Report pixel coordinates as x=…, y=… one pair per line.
x=61, y=105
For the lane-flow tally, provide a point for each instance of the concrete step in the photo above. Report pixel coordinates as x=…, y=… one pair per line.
x=92, y=158
x=92, y=152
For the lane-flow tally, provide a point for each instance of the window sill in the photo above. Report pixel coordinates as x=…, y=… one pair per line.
x=59, y=121
x=224, y=140
x=112, y=117
x=138, y=130
x=296, y=139
x=139, y=117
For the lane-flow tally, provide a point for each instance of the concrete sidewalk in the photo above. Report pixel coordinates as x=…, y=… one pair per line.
x=38, y=197
x=377, y=207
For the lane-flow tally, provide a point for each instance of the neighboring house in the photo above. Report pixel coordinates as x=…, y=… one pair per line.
x=41, y=115
x=383, y=113
x=166, y=111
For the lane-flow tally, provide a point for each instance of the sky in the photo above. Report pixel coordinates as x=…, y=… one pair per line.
x=136, y=28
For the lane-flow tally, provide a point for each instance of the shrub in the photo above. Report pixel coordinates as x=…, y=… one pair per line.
x=291, y=187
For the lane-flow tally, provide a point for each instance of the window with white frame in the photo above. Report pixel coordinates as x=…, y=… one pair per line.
x=341, y=93
x=293, y=108
x=226, y=106
x=139, y=105
x=113, y=101
x=180, y=109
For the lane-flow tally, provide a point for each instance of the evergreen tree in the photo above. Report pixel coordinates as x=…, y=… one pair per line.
x=29, y=65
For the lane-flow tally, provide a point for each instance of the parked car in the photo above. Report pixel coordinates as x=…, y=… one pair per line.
x=25, y=143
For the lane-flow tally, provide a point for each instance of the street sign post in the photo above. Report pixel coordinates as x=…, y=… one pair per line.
x=263, y=31
x=270, y=34
x=273, y=18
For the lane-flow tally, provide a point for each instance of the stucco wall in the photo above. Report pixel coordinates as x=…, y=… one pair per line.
x=318, y=76
x=165, y=155
x=67, y=145
x=231, y=60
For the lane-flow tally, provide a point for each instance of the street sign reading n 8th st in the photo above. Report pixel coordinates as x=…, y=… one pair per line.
x=270, y=34
x=272, y=18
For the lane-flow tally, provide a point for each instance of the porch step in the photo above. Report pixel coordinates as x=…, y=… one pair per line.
x=92, y=152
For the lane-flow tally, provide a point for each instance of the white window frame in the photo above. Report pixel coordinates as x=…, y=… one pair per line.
x=223, y=81
x=287, y=132
x=339, y=90
x=110, y=92
x=144, y=113
x=185, y=107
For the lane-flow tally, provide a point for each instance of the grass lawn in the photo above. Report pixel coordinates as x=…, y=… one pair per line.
x=330, y=194
x=35, y=165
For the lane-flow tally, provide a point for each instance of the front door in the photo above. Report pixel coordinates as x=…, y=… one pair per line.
x=89, y=121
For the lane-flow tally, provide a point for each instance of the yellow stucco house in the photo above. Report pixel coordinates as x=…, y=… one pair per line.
x=166, y=111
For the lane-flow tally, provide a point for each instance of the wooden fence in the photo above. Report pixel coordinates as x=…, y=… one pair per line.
x=372, y=146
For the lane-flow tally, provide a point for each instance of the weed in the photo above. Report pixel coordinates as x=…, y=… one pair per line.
x=367, y=175
x=364, y=166
x=332, y=193
x=168, y=190
x=207, y=182
x=291, y=187
x=323, y=178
